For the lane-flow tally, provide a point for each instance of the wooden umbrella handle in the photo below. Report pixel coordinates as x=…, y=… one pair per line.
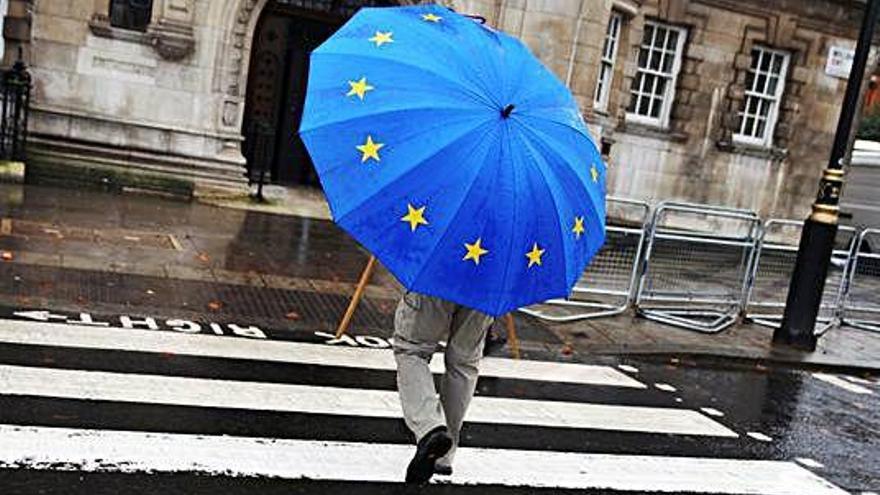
x=511, y=335
x=356, y=297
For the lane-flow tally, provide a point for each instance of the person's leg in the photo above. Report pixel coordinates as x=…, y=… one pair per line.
x=420, y=323
x=463, y=353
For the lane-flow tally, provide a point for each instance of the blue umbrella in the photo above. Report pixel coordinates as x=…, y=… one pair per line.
x=455, y=157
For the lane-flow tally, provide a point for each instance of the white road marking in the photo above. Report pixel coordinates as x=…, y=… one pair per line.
x=810, y=463
x=845, y=385
x=200, y=392
x=628, y=368
x=126, y=451
x=665, y=387
x=23, y=332
x=711, y=411
x=759, y=436
x=860, y=381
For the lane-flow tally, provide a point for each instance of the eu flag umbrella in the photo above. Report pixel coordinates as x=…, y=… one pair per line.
x=455, y=157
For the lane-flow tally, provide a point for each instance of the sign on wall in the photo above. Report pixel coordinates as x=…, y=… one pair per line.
x=840, y=60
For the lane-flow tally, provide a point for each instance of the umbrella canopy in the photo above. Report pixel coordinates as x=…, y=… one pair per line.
x=455, y=157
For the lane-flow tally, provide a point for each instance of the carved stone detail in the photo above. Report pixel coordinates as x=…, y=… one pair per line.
x=173, y=40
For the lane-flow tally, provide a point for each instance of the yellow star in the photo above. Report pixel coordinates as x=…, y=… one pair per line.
x=474, y=251
x=431, y=17
x=381, y=38
x=534, y=255
x=370, y=149
x=415, y=217
x=595, y=173
x=359, y=88
x=578, y=227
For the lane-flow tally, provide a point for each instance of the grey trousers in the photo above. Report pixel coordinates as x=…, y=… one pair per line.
x=420, y=323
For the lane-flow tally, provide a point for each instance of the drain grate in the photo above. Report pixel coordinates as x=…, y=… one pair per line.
x=162, y=297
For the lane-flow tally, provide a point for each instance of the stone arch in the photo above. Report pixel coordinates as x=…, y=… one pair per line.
x=239, y=22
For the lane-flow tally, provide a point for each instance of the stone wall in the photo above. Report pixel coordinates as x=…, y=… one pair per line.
x=169, y=102
x=694, y=159
x=120, y=98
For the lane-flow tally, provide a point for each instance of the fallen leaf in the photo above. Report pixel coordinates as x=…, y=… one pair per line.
x=215, y=305
x=566, y=350
x=7, y=256
x=292, y=315
x=203, y=257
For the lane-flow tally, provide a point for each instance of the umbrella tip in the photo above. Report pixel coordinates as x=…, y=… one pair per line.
x=506, y=111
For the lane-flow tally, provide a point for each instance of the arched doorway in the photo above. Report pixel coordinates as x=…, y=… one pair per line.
x=287, y=31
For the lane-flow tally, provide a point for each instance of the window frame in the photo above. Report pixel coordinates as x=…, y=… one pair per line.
x=138, y=29
x=765, y=141
x=662, y=120
x=606, y=60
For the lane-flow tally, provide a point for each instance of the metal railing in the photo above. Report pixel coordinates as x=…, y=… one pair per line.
x=861, y=303
x=15, y=92
x=774, y=265
x=701, y=267
x=696, y=265
x=606, y=286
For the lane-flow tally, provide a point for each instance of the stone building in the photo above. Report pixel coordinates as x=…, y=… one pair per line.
x=722, y=101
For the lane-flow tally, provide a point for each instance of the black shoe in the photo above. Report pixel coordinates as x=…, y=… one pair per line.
x=431, y=447
x=442, y=470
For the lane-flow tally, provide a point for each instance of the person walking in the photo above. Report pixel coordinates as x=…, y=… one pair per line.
x=421, y=322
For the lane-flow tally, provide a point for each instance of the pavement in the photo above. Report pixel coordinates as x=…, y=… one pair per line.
x=155, y=346
x=79, y=251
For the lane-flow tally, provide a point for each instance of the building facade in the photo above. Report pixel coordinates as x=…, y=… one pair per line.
x=729, y=102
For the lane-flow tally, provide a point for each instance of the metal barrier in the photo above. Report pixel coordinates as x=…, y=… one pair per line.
x=606, y=287
x=861, y=305
x=773, y=267
x=15, y=92
x=696, y=265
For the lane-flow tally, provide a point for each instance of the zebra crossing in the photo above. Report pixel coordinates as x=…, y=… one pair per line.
x=123, y=401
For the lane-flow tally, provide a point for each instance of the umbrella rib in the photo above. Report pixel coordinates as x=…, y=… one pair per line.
x=458, y=212
x=589, y=204
x=469, y=87
x=391, y=182
x=559, y=226
x=384, y=112
x=550, y=138
x=512, y=235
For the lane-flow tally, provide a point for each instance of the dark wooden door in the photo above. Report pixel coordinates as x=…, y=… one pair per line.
x=276, y=96
x=293, y=165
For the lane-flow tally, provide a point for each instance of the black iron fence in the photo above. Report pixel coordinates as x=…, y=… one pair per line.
x=15, y=91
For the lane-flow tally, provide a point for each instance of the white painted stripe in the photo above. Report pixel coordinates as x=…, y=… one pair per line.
x=810, y=463
x=123, y=451
x=173, y=390
x=628, y=368
x=759, y=436
x=860, y=381
x=665, y=387
x=711, y=411
x=838, y=382
x=37, y=333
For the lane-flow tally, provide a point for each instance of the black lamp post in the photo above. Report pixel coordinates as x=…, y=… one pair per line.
x=817, y=239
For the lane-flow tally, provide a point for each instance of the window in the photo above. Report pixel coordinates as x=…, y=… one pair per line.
x=653, y=87
x=606, y=66
x=765, y=81
x=131, y=14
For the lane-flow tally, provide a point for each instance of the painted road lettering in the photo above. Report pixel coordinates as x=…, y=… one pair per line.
x=172, y=324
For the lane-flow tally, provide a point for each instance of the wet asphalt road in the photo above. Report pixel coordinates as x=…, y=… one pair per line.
x=830, y=426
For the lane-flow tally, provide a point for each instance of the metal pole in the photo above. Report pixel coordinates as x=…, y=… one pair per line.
x=817, y=238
